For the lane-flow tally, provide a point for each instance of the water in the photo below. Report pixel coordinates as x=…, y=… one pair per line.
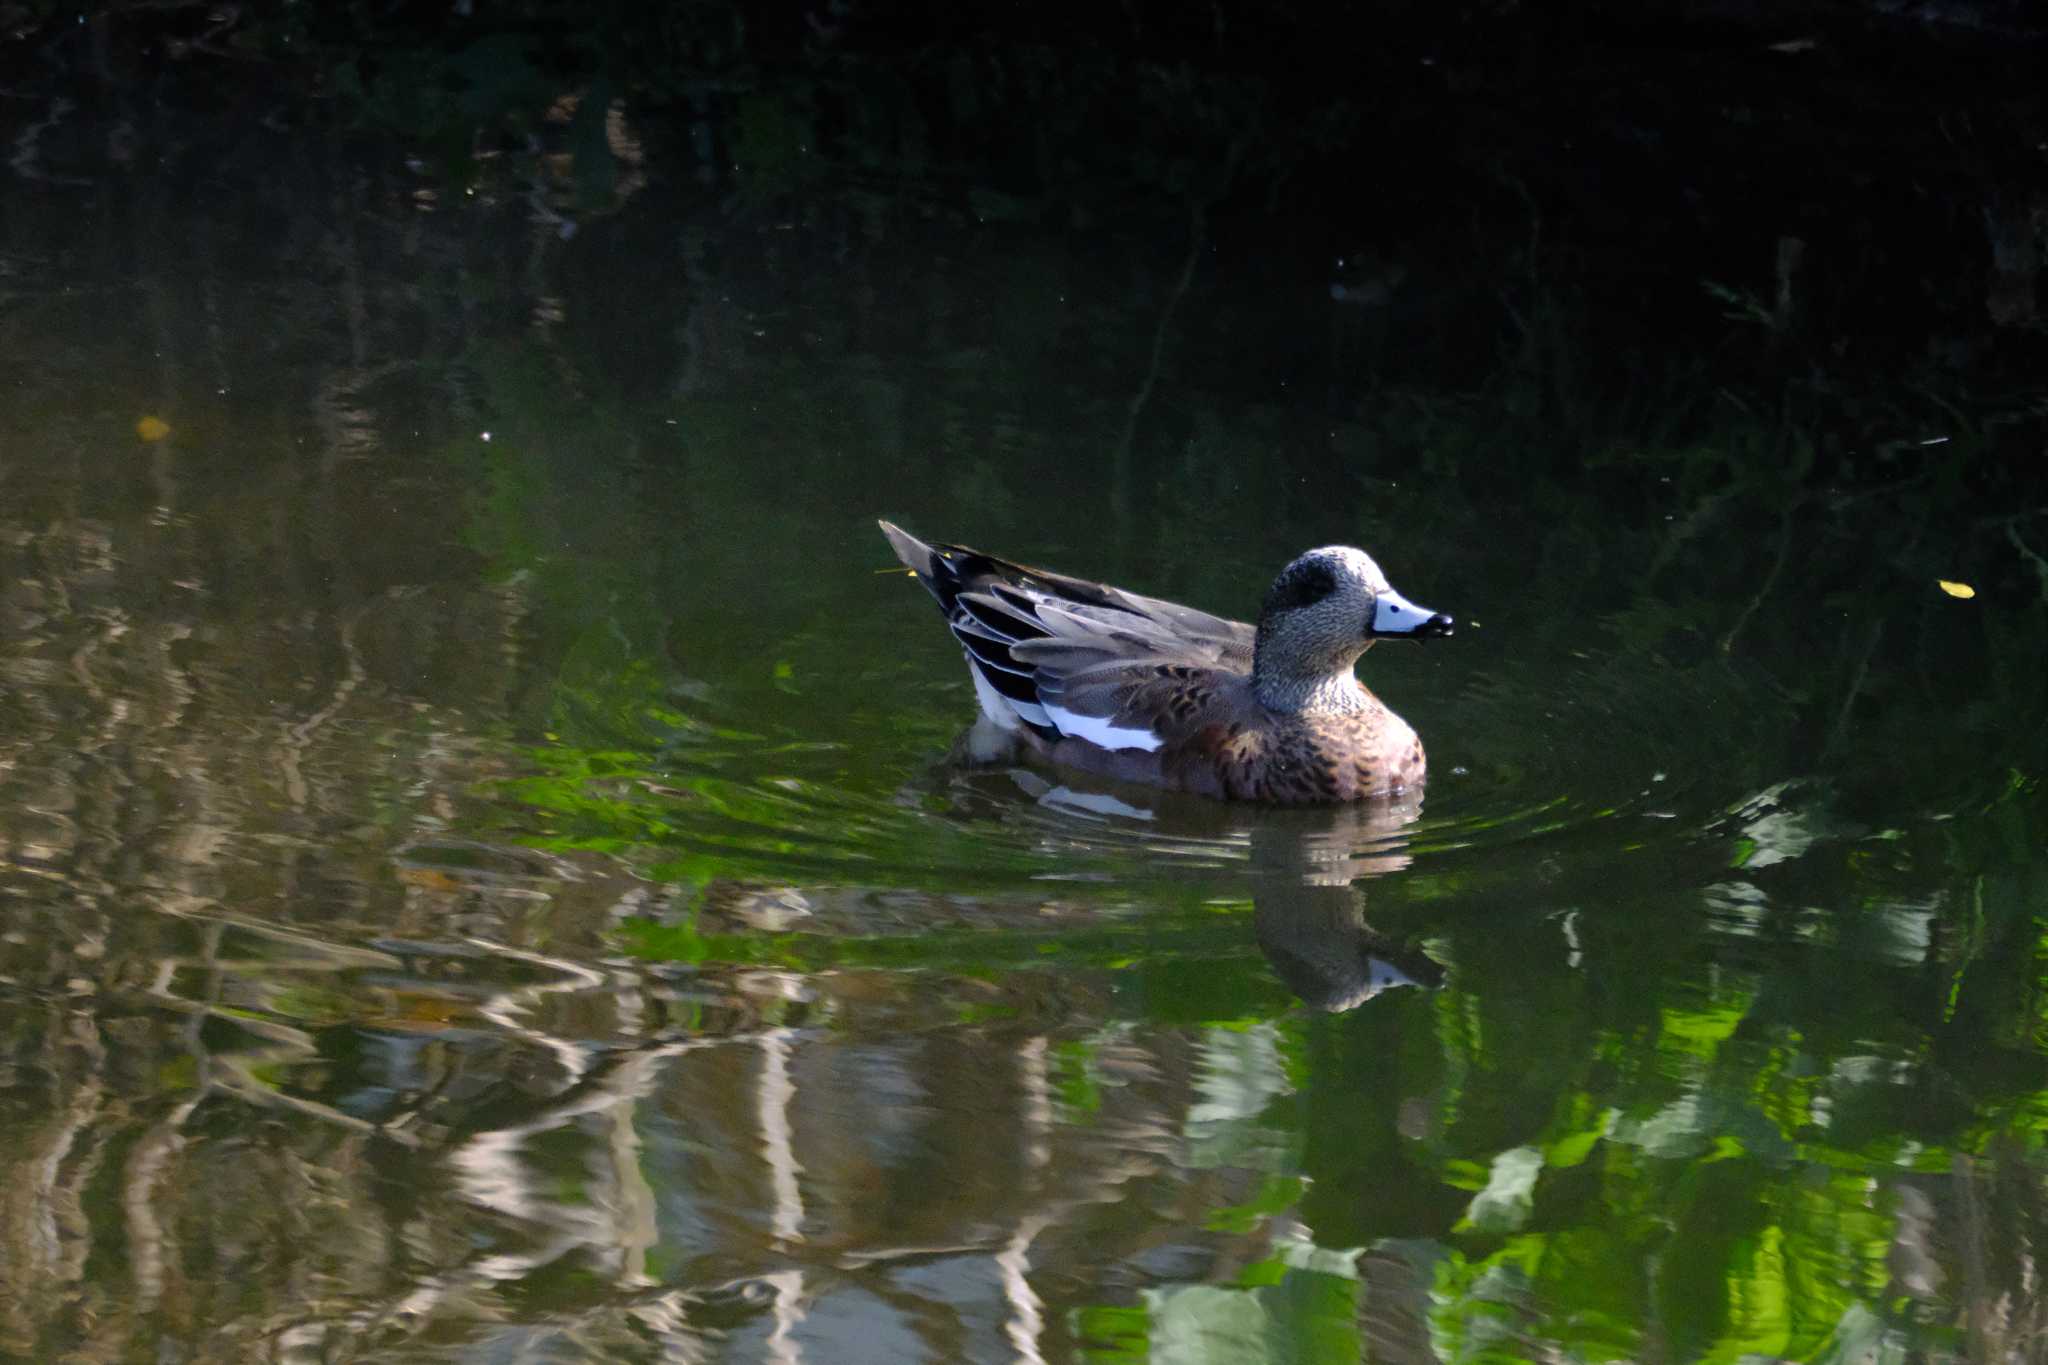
x=483, y=879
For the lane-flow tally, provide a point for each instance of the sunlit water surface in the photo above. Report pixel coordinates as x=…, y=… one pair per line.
x=482, y=875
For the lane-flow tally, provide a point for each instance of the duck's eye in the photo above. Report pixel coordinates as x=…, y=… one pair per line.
x=1301, y=585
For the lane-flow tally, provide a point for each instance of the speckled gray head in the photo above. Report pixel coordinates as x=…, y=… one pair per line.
x=1322, y=612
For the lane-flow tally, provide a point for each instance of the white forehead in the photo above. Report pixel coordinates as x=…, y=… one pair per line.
x=1351, y=563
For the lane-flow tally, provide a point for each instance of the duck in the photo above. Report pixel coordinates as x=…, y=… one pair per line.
x=1083, y=675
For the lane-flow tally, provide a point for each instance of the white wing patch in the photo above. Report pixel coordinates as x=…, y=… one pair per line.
x=992, y=704
x=1001, y=710
x=1099, y=731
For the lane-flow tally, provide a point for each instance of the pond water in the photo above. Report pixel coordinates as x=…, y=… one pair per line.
x=483, y=877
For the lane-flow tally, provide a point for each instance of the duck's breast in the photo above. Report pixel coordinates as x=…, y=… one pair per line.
x=1293, y=760
x=1370, y=753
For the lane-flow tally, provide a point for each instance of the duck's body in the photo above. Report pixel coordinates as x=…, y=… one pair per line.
x=1133, y=687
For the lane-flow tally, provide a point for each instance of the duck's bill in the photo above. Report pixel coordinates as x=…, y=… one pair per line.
x=1395, y=617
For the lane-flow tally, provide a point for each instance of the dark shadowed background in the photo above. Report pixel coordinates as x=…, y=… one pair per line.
x=482, y=876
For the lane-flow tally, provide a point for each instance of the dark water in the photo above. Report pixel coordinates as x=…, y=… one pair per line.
x=483, y=878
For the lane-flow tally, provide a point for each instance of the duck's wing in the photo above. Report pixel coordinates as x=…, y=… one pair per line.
x=1144, y=703
x=1062, y=654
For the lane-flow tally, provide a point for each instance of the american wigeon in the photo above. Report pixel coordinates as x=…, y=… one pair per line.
x=1132, y=687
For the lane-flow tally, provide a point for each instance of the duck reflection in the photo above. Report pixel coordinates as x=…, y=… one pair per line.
x=1306, y=869
x=1317, y=940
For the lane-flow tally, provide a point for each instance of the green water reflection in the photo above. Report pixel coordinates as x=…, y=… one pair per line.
x=483, y=874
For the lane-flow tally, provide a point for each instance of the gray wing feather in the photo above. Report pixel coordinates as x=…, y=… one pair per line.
x=1077, y=645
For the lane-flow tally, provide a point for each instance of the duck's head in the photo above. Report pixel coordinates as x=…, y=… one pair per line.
x=1322, y=612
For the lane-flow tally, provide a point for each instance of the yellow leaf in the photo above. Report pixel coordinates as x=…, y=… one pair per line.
x=152, y=428
x=1955, y=589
